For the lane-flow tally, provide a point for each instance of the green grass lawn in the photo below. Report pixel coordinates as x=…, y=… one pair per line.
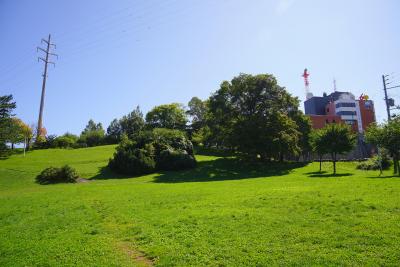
x=223, y=213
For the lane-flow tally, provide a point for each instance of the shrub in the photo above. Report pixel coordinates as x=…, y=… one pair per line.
x=128, y=159
x=45, y=142
x=64, y=142
x=53, y=175
x=175, y=160
x=92, y=138
x=160, y=149
x=171, y=139
x=375, y=162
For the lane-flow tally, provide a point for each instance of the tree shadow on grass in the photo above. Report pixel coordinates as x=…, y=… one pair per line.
x=105, y=173
x=227, y=169
x=324, y=174
x=383, y=176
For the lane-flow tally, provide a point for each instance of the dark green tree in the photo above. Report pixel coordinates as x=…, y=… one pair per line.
x=114, y=132
x=170, y=116
x=132, y=123
x=303, y=123
x=6, y=108
x=197, y=112
x=255, y=116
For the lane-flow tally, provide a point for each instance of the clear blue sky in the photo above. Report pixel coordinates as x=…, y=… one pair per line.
x=115, y=55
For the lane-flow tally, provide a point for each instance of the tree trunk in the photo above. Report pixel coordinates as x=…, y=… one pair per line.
x=334, y=163
x=28, y=142
x=320, y=163
x=395, y=164
x=398, y=167
x=12, y=146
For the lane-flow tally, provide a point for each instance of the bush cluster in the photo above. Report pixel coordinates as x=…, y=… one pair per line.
x=128, y=159
x=175, y=160
x=54, y=175
x=375, y=163
x=159, y=149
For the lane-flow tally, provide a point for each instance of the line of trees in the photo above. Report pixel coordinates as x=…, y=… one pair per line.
x=251, y=115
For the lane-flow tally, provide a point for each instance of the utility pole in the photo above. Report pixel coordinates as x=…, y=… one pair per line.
x=390, y=104
x=46, y=62
x=386, y=96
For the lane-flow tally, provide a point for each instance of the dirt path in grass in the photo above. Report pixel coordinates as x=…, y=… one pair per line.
x=83, y=180
x=134, y=254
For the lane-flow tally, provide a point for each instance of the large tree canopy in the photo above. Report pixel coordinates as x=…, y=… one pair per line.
x=171, y=116
x=256, y=116
x=197, y=112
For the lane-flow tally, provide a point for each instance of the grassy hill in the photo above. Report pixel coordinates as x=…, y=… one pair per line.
x=222, y=213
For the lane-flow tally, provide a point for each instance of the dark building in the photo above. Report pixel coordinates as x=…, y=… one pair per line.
x=316, y=105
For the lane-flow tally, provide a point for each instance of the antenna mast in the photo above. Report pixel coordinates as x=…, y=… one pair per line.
x=307, y=84
x=334, y=84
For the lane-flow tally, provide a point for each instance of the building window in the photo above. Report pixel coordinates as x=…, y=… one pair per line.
x=352, y=113
x=345, y=105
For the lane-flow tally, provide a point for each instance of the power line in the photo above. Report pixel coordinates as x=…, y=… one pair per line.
x=104, y=29
x=101, y=24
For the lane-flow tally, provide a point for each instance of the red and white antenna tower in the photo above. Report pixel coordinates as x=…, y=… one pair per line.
x=307, y=84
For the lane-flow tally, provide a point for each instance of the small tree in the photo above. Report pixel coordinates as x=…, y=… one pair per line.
x=27, y=132
x=336, y=139
x=317, y=145
x=132, y=123
x=15, y=132
x=93, y=134
x=387, y=136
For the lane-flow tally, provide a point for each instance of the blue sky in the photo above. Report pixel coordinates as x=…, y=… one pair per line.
x=115, y=55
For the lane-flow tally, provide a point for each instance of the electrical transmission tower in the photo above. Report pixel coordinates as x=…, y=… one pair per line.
x=46, y=62
x=390, y=105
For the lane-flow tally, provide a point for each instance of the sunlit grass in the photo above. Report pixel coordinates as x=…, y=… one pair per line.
x=222, y=213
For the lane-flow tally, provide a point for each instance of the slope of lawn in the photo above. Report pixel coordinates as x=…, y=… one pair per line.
x=223, y=213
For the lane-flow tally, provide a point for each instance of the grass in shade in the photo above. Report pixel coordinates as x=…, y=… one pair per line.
x=223, y=213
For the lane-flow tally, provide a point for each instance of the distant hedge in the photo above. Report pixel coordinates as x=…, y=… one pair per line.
x=375, y=163
x=159, y=149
